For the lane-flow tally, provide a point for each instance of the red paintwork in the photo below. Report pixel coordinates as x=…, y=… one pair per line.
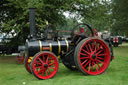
x=115, y=39
x=28, y=65
x=113, y=57
x=39, y=68
x=20, y=59
x=95, y=32
x=46, y=48
x=97, y=64
x=82, y=30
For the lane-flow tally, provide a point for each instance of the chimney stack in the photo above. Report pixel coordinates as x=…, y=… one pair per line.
x=32, y=23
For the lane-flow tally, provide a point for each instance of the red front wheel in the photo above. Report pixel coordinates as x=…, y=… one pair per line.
x=92, y=56
x=44, y=65
x=27, y=61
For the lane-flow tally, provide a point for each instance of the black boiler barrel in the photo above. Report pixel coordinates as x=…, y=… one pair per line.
x=57, y=47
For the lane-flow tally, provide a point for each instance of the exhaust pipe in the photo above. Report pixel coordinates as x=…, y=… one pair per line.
x=32, y=23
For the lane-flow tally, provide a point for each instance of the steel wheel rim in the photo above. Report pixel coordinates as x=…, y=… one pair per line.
x=45, y=66
x=94, y=56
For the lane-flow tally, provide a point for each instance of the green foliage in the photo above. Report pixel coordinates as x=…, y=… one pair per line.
x=120, y=14
x=97, y=14
x=14, y=15
x=67, y=26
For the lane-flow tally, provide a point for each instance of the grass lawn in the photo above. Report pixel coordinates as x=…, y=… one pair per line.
x=116, y=74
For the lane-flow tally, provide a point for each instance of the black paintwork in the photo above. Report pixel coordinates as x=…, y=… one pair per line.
x=32, y=23
x=33, y=47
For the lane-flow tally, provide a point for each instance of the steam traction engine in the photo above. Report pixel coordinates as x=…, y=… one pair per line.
x=80, y=51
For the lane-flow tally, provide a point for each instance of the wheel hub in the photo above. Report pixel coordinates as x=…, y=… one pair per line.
x=94, y=56
x=45, y=65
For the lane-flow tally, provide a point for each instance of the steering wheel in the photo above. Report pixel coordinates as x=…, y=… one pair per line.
x=82, y=30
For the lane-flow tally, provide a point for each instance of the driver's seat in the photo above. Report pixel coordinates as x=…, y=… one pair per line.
x=78, y=37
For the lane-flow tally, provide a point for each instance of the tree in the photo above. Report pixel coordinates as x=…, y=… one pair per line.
x=97, y=13
x=14, y=16
x=120, y=14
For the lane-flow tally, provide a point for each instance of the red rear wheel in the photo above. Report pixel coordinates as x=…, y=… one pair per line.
x=44, y=65
x=92, y=56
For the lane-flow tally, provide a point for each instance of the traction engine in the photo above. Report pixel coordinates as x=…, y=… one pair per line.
x=80, y=51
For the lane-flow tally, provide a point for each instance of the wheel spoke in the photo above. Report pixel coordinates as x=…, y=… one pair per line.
x=96, y=67
x=42, y=72
x=51, y=67
x=86, y=52
x=43, y=58
x=38, y=66
x=87, y=48
x=99, y=52
x=92, y=66
x=47, y=59
x=99, y=61
x=87, y=63
x=102, y=54
x=38, y=63
x=39, y=71
x=99, y=48
x=46, y=72
x=40, y=60
x=52, y=64
x=84, y=61
x=50, y=60
x=90, y=47
x=83, y=54
x=89, y=67
x=84, y=58
x=49, y=70
x=100, y=58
